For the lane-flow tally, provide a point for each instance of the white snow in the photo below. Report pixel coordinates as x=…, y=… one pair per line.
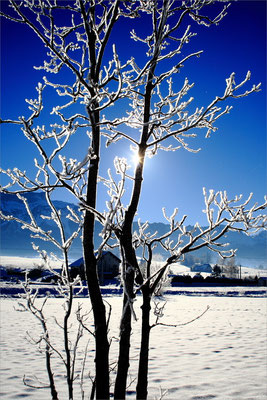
x=25, y=262
x=221, y=355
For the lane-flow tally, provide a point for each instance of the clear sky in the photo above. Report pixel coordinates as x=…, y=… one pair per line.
x=233, y=159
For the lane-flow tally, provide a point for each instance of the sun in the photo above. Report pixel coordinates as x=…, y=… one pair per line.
x=135, y=159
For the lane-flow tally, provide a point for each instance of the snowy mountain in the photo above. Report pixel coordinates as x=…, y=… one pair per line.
x=252, y=250
x=16, y=241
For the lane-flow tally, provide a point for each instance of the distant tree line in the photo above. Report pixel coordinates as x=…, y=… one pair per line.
x=213, y=280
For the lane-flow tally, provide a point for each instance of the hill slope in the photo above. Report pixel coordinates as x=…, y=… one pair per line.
x=252, y=250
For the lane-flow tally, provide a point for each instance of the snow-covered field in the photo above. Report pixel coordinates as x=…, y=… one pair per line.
x=221, y=355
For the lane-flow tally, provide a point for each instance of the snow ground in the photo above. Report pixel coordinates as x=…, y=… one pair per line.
x=221, y=355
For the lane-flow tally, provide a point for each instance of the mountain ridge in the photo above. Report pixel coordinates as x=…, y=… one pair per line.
x=15, y=241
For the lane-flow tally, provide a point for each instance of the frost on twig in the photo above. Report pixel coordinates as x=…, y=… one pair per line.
x=88, y=74
x=67, y=356
x=223, y=215
x=170, y=123
x=159, y=313
x=37, y=232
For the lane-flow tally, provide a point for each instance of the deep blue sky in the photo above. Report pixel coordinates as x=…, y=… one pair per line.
x=233, y=159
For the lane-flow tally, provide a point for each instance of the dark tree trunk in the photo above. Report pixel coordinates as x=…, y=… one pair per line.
x=99, y=311
x=124, y=351
x=66, y=343
x=101, y=335
x=131, y=273
x=142, y=381
x=127, y=249
x=128, y=270
x=50, y=373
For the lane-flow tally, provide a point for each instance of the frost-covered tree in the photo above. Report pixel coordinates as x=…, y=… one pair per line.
x=161, y=116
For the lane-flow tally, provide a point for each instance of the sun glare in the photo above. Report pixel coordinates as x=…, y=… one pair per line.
x=135, y=159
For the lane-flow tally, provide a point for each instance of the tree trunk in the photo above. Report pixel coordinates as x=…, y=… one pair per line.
x=124, y=352
x=49, y=371
x=66, y=343
x=128, y=272
x=142, y=381
x=131, y=273
x=101, y=340
x=101, y=334
x=99, y=311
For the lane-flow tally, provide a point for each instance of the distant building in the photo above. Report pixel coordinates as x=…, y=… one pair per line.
x=108, y=266
x=202, y=268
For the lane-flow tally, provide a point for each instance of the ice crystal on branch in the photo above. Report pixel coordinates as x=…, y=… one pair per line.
x=88, y=75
